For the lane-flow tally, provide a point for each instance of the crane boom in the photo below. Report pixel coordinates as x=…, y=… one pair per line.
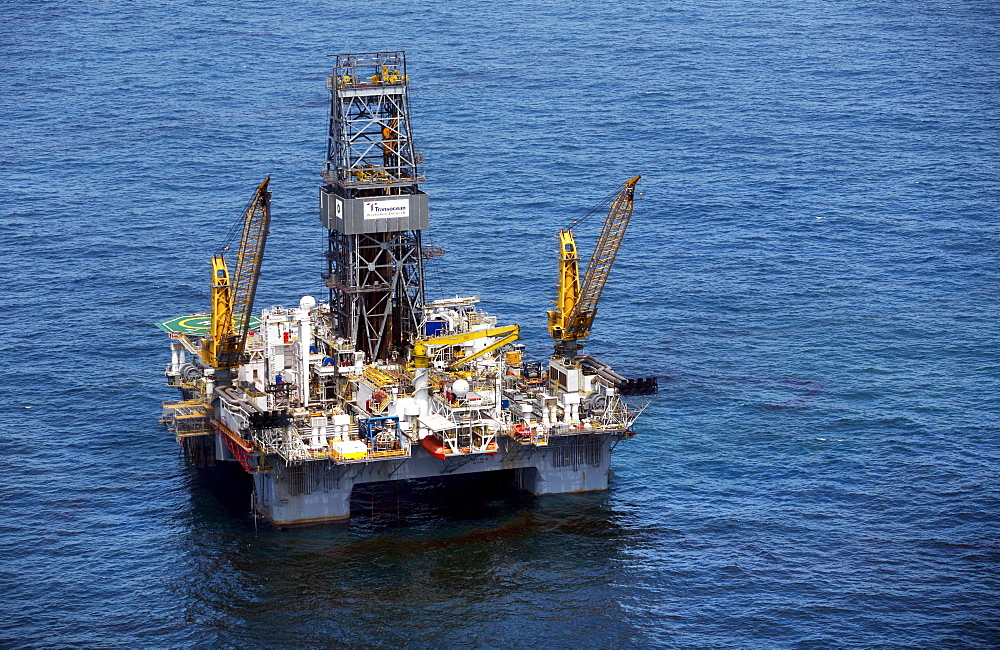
x=510, y=333
x=577, y=301
x=232, y=301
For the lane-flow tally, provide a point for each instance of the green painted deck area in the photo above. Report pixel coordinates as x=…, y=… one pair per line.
x=196, y=324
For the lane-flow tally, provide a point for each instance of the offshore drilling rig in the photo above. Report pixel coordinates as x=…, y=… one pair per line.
x=377, y=383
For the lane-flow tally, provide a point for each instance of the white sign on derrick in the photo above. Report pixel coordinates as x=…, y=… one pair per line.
x=391, y=208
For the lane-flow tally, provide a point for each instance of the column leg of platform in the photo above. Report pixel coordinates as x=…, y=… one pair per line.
x=275, y=501
x=549, y=480
x=556, y=472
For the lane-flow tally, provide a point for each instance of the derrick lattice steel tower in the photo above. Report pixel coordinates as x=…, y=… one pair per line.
x=372, y=205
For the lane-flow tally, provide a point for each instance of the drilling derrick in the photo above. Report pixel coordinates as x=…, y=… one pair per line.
x=372, y=206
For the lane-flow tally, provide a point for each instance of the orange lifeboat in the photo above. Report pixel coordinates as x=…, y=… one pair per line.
x=433, y=446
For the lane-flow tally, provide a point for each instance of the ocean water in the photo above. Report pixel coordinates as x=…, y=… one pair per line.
x=812, y=272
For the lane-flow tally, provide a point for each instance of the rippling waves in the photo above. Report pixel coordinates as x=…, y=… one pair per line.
x=812, y=272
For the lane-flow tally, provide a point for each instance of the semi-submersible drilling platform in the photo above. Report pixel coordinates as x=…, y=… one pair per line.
x=378, y=383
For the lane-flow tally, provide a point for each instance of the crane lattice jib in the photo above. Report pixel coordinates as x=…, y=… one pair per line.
x=255, y=226
x=605, y=251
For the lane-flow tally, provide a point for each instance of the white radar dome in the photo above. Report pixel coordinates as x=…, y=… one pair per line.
x=460, y=388
x=307, y=303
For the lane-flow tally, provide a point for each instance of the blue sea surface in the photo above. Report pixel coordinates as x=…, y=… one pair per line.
x=811, y=271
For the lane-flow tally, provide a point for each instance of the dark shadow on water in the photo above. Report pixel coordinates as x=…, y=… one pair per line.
x=415, y=554
x=220, y=491
x=225, y=490
x=399, y=504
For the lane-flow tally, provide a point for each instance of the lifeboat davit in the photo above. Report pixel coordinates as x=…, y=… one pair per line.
x=433, y=446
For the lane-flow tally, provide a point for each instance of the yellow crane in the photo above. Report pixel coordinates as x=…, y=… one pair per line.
x=421, y=359
x=232, y=301
x=576, y=301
